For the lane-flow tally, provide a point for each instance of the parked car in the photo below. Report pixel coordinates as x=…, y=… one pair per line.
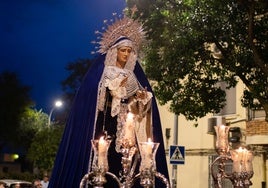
x=11, y=183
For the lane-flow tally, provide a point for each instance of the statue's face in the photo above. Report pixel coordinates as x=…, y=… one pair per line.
x=123, y=54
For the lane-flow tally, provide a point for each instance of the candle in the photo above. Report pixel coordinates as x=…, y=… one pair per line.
x=239, y=157
x=222, y=138
x=235, y=158
x=102, y=148
x=149, y=146
x=249, y=158
x=129, y=128
x=222, y=131
x=241, y=153
x=148, y=150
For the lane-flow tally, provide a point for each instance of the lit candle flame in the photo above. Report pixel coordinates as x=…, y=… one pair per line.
x=130, y=116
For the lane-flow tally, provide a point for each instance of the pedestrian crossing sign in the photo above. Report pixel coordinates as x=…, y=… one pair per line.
x=177, y=154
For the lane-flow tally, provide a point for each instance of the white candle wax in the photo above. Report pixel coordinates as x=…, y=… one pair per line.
x=129, y=127
x=222, y=130
x=148, y=154
x=102, y=147
x=235, y=160
x=222, y=136
x=241, y=154
x=248, y=161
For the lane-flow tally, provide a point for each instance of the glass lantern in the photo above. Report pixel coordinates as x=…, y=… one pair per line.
x=148, y=151
x=148, y=165
x=222, y=144
x=100, y=159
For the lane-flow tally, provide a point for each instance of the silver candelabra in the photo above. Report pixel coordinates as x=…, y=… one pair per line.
x=242, y=169
x=127, y=178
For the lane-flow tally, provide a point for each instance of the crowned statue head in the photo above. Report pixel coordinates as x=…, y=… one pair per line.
x=125, y=32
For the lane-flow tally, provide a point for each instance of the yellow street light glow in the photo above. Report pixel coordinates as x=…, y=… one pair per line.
x=15, y=156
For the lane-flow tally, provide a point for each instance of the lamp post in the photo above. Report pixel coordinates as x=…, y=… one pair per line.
x=57, y=104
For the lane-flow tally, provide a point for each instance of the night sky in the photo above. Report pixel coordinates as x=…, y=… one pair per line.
x=40, y=37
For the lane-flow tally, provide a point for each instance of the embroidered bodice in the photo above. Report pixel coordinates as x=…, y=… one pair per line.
x=112, y=78
x=123, y=86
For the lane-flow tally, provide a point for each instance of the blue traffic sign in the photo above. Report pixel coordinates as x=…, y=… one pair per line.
x=176, y=154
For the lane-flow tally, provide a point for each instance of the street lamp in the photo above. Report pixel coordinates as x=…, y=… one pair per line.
x=57, y=104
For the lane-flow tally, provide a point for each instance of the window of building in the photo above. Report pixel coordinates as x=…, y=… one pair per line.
x=230, y=107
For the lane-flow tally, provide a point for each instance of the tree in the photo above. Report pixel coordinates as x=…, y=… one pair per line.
x=196, y=44
x=39, y=141
x=14, y=98
x=77, y=71
x=32, y=121
x=44, y=147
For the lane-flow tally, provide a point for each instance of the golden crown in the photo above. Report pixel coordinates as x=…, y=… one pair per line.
x=121, y=27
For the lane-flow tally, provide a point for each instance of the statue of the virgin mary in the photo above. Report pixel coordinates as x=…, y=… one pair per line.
x=114, y=86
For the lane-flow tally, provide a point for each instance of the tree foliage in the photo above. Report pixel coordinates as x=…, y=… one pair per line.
x=77, y=71
x=44, y=147
x=40, y=141
x=25, y=127
x=31, y=122
x=195, y=44
x=14, y=98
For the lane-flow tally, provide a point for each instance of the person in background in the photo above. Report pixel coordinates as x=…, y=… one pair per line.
x=37, y=183
x=2, y=184
x=45, y=181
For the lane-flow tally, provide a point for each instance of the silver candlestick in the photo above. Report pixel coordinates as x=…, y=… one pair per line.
x=130, y=157
x=242, y=169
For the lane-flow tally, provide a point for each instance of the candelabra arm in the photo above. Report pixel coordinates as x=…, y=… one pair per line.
x=132, y=171
x=217, y=177
x=129, y=154
x=137, y=176
x=156, y=174
x=115, y=178
x=85, y=179
x=163, y=179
